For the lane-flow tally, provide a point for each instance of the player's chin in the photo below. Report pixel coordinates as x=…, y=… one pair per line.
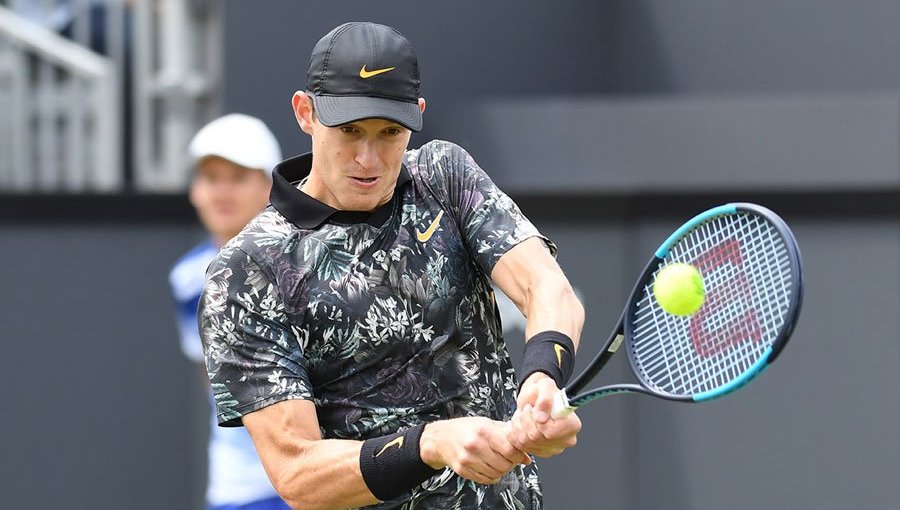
x=364, y=202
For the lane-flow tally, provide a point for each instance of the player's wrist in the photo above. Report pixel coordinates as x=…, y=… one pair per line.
x=429, y=446
x=391, y=465
x=551, y=353
x=532, y=384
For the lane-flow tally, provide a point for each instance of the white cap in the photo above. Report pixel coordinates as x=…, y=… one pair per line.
x=239, y=138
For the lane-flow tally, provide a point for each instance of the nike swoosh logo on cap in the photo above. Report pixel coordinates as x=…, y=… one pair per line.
x=425, y=236
x=368, y=74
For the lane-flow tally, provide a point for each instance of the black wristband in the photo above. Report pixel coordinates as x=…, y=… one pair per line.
x=552, y=353
x=391, y=465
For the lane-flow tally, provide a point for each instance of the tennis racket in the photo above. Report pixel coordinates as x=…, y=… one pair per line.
x=750, y=266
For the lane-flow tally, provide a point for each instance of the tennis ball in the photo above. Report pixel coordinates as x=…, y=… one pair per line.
x=679, y=289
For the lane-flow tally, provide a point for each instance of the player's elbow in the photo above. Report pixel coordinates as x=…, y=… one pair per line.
x=297, y=491
x=287, y=489
x=306, y=494
x=298, y=498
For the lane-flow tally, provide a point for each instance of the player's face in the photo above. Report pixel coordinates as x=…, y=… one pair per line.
x=227, y=196
x=356, y=165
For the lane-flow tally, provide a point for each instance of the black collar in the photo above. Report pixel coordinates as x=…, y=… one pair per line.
x=308, y=213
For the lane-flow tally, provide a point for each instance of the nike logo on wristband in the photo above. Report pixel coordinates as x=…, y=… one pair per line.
x=559, y=350
x=398, y=442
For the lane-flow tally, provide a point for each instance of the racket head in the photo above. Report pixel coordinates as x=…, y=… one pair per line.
x=751, y=268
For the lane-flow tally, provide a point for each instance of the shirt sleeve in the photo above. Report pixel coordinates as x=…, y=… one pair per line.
x=253, y=353
x=490, y=221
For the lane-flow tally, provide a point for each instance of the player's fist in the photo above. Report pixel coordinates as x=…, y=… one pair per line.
x=532, y=429
x=538, y=390
x=475, y=448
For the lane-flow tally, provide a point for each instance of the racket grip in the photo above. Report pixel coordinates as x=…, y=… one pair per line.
x=561, y=407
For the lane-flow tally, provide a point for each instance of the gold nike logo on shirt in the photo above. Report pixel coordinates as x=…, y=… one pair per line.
x=398, y=442
x=425, y=236
x=368, y=74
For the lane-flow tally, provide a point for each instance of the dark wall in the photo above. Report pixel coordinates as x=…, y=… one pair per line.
x=100, y=401
x=471, y=51
x=467, y=50
x=730, y=46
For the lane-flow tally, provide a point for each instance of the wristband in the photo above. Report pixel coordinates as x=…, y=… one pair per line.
x=552, y=353
x=391, y=465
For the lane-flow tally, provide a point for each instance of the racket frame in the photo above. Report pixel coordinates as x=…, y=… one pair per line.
x=564, y=404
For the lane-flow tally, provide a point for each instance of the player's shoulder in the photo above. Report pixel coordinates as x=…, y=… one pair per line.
x=265, y=237
x=437, y=160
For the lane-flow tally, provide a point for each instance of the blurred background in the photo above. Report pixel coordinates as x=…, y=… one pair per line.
x=610, y=123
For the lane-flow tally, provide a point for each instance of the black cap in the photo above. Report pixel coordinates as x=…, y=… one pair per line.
x=363, y=70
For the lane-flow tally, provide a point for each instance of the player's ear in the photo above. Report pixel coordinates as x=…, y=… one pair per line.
x=422, y=104
x=303, y=111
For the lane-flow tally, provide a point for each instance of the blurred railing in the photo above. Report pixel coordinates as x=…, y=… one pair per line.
x=59, y=130
x=104, y=95
x=177, y=76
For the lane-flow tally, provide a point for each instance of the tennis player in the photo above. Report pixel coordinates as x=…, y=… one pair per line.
x=232, y=159
x=351, y=327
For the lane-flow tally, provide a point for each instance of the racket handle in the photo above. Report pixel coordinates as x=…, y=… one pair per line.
x=561, y=407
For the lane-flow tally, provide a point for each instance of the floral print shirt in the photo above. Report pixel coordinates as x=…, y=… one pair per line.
x=384, y=320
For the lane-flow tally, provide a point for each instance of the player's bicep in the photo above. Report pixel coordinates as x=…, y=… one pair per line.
x=306, y=470
x=279, y=430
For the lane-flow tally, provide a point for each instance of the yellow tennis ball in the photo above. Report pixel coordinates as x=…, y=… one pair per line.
x=679, y=289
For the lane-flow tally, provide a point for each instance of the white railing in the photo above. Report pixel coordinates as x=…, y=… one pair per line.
x=178, y=69
x=104, y=95
x=59, y=126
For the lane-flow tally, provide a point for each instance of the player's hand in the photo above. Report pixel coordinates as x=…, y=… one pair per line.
x=538, y=390
x=532, y=429
x=475, y=448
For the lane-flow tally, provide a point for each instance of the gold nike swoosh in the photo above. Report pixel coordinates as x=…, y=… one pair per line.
x=559, y=350
x=425, y=236
x=368, y=74
x=398, y=442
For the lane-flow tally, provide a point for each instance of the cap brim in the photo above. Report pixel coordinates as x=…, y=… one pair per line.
x=336, y=110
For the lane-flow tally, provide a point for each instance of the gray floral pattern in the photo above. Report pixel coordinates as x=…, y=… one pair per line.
x=381, y=329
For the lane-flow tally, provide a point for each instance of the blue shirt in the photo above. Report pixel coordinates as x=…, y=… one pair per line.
x=236, y=476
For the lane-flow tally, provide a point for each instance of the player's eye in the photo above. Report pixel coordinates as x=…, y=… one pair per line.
x=393, y=131
x=348, y=129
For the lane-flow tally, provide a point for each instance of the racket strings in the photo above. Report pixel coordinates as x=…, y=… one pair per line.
x=745, y=332
x=746, y=270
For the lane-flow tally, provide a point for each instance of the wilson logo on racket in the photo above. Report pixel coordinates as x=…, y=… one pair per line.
x=425, y=236
x=396, y=442
x=721, y=299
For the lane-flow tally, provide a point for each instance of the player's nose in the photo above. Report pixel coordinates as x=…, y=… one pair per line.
x=367, y=155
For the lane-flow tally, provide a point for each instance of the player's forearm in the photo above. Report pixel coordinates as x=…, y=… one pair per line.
x=320, y=475
x=551, y=304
